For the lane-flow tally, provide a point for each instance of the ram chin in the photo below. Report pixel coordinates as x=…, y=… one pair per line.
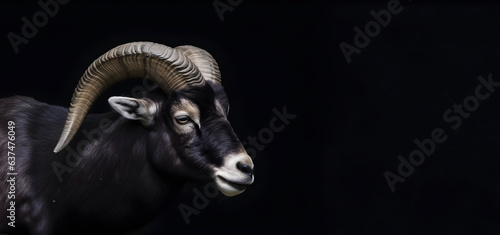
x=229, y=188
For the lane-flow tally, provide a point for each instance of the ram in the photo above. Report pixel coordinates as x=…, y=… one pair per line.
x=140, y=160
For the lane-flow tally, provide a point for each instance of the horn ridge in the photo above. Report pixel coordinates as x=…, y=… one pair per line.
x=204, y=61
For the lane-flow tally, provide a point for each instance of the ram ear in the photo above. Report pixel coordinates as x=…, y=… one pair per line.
x=143, y=110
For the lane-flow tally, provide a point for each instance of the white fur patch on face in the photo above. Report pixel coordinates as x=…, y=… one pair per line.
x=189, y=109
x=230, y=180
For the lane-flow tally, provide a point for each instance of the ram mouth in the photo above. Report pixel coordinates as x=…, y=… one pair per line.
x=235, y=185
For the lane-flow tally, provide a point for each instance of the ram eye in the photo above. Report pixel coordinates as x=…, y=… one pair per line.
x=182, y=119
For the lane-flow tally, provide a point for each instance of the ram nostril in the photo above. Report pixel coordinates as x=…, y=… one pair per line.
x=244, y=168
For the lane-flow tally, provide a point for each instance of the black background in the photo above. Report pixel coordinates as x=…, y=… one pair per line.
x=323, y=174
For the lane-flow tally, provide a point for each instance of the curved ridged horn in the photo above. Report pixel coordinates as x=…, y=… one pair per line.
x=166, y=66
x=203, y=60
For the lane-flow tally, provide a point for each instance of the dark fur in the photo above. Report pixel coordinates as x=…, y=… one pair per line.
x=121, y=179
